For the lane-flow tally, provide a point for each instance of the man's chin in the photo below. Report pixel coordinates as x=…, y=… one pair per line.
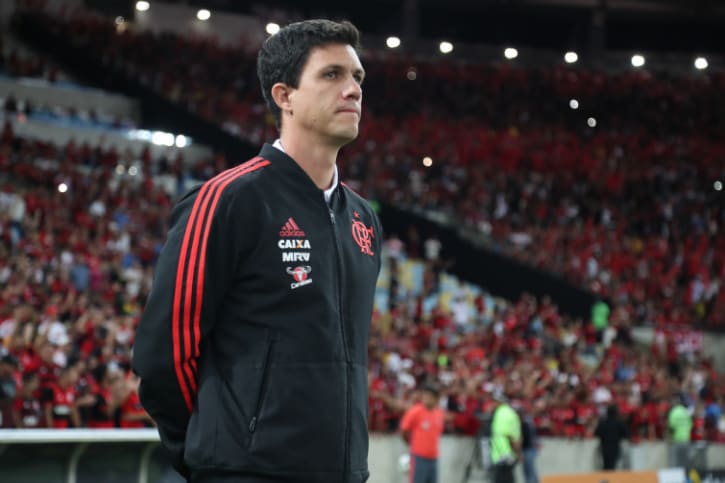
x=346, y=137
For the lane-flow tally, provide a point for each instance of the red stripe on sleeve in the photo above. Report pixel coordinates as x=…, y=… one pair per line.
x=201, y=256
x=182, y=353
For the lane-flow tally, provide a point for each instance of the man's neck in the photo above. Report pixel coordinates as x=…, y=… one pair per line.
x=316, y=159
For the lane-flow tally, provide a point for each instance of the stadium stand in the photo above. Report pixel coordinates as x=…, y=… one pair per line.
x=626, y=212
x=76, y=272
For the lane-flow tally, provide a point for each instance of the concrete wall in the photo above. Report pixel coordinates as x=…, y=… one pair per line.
x=712, y=344
x=44, y=455
x=61, y=135
x=713, y=347
x=557, y=456
x=41, y=92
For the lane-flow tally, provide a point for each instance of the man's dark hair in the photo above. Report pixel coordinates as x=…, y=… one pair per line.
x=612, y=411
x=284, y=54
x=431, y=389
x=29, y=376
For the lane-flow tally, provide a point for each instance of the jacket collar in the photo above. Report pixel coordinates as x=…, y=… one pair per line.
x=288, y=167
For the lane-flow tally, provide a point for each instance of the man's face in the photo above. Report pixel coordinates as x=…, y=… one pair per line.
x=33, y=384
x=430, y=400
x=327, y=101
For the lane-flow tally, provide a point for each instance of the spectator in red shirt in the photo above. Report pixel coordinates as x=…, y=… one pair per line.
x=59, y=401
x=103, y=412
x=48, y=370
x=8, y=387
x=422, y=426
x=28, y=412
x=133, y=415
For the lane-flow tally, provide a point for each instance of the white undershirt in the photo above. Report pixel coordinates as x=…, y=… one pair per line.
x=328, y=192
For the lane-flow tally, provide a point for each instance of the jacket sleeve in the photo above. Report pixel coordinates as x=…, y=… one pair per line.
x=191, y=277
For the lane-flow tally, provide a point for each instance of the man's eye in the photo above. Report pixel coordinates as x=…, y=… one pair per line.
x=331, y=75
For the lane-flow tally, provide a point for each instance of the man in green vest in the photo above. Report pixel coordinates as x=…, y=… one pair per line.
x=505, y=441
x=600, y=318
x=679, y=423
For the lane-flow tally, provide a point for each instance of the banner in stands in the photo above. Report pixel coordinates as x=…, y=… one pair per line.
x=706, y=476
x=604, y=477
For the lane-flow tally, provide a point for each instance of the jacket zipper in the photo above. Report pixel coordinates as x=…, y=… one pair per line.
x=262, y=389
x=348, y=388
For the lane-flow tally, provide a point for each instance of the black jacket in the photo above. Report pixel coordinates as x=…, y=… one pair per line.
x=252, y=348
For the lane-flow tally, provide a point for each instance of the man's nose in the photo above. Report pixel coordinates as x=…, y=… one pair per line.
x=352, y=90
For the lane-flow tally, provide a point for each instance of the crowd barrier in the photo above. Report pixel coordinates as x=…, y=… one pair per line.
x=134, y=456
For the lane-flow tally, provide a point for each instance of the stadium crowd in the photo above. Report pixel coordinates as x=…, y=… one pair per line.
x=623, y=211
x=558, y=370
x=75, y=267
x=15, y=63
x=626, y=208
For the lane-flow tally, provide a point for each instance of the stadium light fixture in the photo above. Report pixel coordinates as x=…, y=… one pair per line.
x=573, y=103
x=392, y=42
x=181, y=141
x=717, y=185
x=119, y=20
x=142, y=5
x=411, y=74
x=510, y=53
x=427, y=161
x=637, y=60
x=161, y=138
x=446, y=47
x=701, y=63
x=62, y=188
x=203, y=15
x=571, y=57
x=133, y=171
x=591, y=122
x=272, y=28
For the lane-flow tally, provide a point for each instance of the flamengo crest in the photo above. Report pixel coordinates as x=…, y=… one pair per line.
x=363, y=236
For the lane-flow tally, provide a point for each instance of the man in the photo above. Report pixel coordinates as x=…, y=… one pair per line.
x=28, y=412
x=505, y=441
x=529, y=446
x=59, y=400
x=421, y=427
x=132, y=413
x=611, y=431
x=8, y=387
x=679, y=423
x=252, y=349
x=108, y=392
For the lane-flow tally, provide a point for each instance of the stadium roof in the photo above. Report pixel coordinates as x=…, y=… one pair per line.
x=688, y=26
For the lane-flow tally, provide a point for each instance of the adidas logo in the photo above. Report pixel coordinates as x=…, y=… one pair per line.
x=290, y=229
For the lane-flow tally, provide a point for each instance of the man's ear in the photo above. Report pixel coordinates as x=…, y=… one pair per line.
x=281, y=94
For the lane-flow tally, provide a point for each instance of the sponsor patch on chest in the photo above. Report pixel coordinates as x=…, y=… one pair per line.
x=300, y=275
x=294, y=244
x=295, y=257
x=295, y=249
